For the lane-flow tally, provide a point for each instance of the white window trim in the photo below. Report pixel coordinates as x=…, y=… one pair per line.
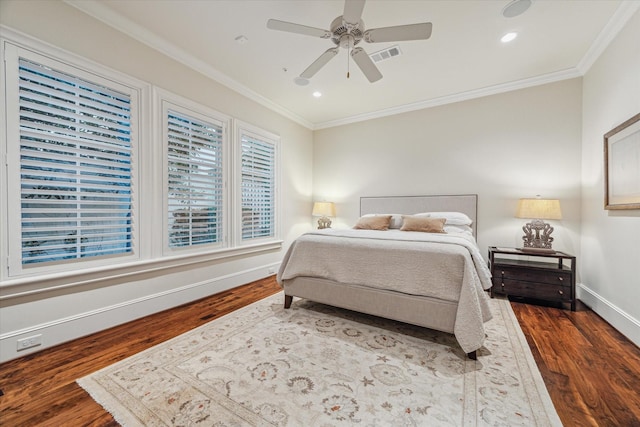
x=163, y=101
x=149, y=258
x=11, y=51
x=241, y=128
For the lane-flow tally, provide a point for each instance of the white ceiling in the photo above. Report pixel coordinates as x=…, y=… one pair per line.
x=464, y=57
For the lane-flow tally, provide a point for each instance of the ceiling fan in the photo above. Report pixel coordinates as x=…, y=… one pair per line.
x=347, y=31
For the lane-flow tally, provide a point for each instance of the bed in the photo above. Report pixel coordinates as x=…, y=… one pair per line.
x=433, y=280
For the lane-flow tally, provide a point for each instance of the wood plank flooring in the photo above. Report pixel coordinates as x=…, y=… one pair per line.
x=591, y=371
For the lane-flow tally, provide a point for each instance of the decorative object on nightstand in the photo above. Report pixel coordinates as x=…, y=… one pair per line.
x=536, y=275
x=324, y=210
x=537, y=233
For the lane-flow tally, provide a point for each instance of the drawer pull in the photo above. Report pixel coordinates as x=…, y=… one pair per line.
x=502, y=272
x=561, y=293
x=502, y=284
x=560, y=279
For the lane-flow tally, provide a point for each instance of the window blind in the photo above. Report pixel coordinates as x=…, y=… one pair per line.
x=75, y=167
x=195, y=180
x=257, y=187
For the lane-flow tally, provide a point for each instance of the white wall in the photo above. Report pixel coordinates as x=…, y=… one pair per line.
x=501, y=147
x=610, y=262
x=76, y=309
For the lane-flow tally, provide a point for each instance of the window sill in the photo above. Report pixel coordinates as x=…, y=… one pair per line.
x=24, y=286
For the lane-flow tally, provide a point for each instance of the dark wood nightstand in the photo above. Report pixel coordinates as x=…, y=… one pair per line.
x=537, y=275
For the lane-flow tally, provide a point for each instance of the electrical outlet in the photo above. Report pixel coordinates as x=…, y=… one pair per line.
x=29, y=342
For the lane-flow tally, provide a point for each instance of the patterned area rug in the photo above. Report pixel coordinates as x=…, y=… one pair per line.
x=314, y=365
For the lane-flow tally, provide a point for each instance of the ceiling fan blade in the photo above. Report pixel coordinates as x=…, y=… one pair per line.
x=365, y=63
x=319, y=63
x=353, y=11
x=290, y=27
x=399, y=33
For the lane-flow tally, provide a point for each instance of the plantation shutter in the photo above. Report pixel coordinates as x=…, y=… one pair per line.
x=257, y=187
x=195, y=180
x=75, y=167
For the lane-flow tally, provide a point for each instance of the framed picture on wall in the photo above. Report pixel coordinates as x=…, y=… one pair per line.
x=622, y=166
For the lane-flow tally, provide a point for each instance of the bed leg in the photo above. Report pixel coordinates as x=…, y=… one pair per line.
x=473, y=355
x=288, y=299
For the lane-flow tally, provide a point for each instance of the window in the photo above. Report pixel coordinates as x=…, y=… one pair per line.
x=257, y=159
x=195, y=175
x=88, y=191
x=70, y=155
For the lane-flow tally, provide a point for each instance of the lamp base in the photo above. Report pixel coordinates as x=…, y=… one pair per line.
x=537, y=236
x=538, y=250
x=324, y=222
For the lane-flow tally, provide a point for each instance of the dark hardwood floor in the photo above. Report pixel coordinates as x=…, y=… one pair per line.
x=591, y=371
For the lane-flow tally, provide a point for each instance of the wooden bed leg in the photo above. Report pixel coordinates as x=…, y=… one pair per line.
x=287, y=301
x=473, y=355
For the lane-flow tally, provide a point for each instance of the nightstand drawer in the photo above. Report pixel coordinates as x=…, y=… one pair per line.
x=532, y=289
x=536, y=276
x=531, y=275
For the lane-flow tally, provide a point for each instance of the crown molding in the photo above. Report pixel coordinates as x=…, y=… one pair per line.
x=450, y=99
x=104, y=14
x=617, y=22
x=99, y=11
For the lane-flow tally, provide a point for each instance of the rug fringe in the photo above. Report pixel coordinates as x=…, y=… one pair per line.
x=538, y=382
x=119, y=412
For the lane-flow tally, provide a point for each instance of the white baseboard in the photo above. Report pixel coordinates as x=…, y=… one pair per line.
x=66, y=329
x=619, y=319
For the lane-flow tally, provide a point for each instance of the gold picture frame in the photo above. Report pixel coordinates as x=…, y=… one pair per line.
x=622, y=166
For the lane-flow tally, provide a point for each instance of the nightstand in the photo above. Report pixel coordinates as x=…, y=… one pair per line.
x=537, y=275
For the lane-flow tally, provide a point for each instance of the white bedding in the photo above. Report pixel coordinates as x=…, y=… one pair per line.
x=445, y=266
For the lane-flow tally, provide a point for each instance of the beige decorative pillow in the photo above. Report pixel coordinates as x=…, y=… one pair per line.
x=426, y=225
x=380, y=222
x=396, y=219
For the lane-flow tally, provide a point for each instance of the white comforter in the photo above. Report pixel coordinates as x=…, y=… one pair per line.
x=444, y=266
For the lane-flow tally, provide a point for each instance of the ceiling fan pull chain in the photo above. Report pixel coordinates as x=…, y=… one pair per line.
x=348, y=62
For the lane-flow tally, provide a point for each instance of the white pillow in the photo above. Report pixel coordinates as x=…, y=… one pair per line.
x=453, y=218
x=396, y=219
x=458, y=229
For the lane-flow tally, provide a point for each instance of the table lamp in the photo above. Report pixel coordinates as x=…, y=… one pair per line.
x=324, y=210
x=537, y=233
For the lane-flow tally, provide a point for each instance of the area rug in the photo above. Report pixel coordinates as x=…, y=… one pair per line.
x=315, y=365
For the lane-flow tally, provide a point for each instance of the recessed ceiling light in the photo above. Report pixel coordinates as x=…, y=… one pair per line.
x=301, y=81
x=317, y=94
x=515, y=8
x=508, y=37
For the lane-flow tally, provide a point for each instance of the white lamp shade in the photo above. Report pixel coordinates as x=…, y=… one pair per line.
x=324, y=209
x=539, y=209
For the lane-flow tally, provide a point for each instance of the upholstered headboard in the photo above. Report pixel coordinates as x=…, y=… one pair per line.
x=409, y=205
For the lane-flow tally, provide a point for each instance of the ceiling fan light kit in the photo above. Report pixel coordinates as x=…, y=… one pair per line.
x=346, y=32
